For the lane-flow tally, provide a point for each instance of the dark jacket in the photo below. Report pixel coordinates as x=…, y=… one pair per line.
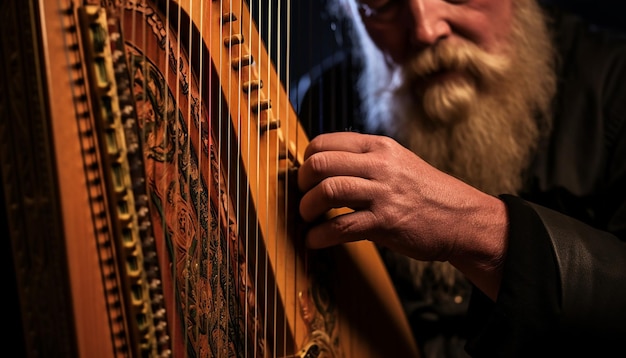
x=564, y=284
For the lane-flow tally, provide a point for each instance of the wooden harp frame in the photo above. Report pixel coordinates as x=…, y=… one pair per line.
x=73, y=254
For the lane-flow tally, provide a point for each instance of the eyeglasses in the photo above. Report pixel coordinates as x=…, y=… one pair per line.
x=382, y=11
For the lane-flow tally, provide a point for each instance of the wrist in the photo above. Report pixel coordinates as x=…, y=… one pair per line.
x=481, y=246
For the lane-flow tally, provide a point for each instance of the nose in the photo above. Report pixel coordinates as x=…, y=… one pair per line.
x=430, y=23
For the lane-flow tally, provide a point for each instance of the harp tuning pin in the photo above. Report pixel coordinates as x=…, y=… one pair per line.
x=287, y=172
x=70, y=10
x=233, y=40
x=245, y=60
x=266, y=125
x=252, y=85
x=228, y=17
x=283, y=154
x=261, y=105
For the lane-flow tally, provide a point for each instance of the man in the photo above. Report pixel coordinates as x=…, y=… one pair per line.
x=499, y=205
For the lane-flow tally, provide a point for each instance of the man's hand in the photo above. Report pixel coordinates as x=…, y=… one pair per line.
x=398, y=201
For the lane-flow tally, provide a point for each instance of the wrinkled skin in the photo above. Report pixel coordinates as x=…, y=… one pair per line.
x=401, y=202
x=422, y=23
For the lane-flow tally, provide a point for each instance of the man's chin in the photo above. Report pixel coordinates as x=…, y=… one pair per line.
x=445, y=78
x=448, y=102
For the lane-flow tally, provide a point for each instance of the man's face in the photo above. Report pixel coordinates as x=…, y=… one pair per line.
x=467, y=84
x=402, y=28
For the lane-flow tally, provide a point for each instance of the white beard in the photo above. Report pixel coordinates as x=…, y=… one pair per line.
x=487, y=136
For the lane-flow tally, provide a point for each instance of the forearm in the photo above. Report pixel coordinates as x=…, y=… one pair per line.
x=549, y=299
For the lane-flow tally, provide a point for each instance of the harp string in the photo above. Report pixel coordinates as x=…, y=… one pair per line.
x=190, y=259
x=235, y=113
x=262, y=275
x=198, y=235
x=256, y=263
x=274, y=47
x=202, y=94
x=264, y=22
x=255, y=238
x=165, y=140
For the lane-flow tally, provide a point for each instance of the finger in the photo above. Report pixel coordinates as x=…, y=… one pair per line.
x=336, y=192
x=338, y=141
x=329, y=164
x=339, y=230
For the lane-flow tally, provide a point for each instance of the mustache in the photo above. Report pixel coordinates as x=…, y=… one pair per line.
x=465, y=57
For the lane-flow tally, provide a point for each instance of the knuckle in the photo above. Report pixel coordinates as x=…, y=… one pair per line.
x=351, y=227
x=342, y=226
x=329, y=189
x=315, y=145
x=318, y=163
x=338, y=190
x=383, y=142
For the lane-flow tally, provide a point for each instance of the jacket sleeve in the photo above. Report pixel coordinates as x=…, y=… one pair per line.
x=563, y=289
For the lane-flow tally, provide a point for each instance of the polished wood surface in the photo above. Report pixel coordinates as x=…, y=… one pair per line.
x=219, y=143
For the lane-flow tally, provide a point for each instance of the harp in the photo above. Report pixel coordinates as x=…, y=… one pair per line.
x=148, y=152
